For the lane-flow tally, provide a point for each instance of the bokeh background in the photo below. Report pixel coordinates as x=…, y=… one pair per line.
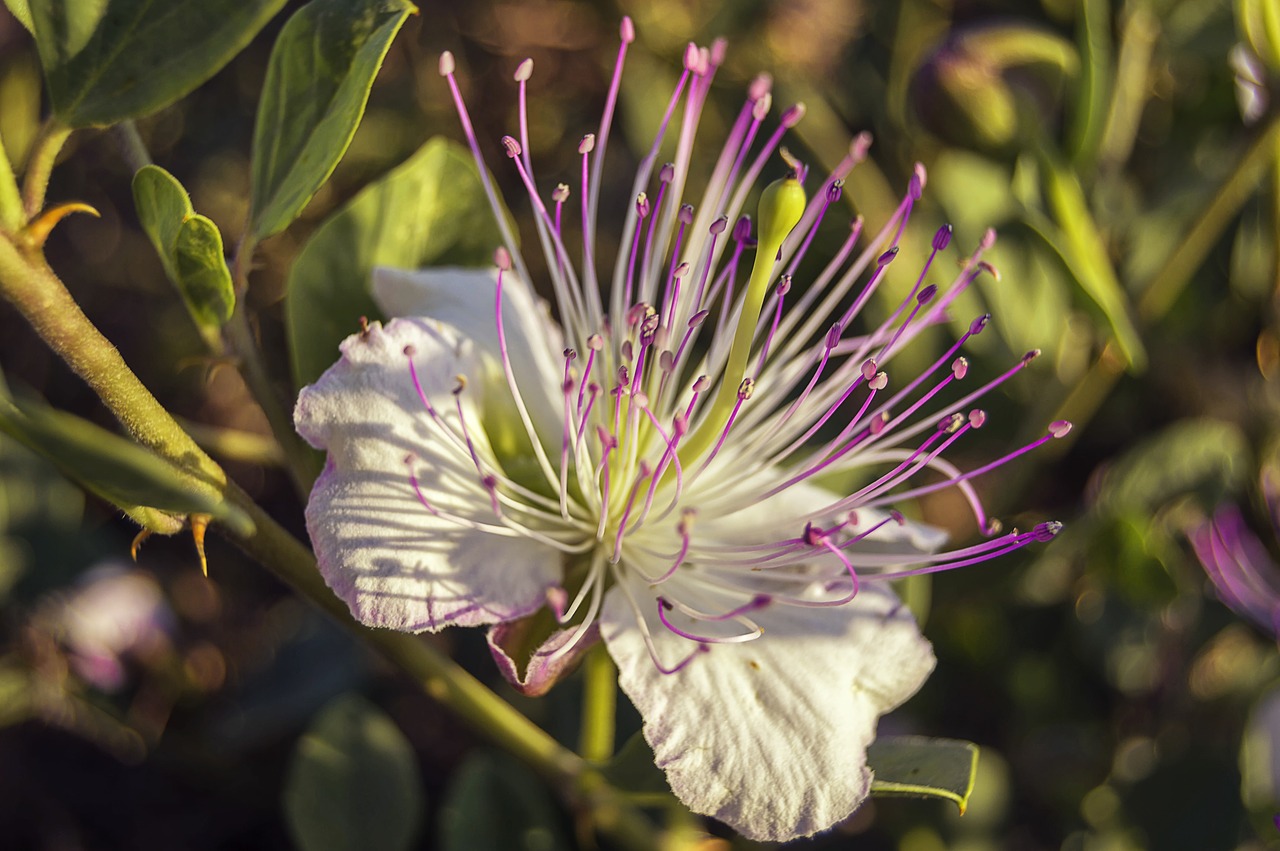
x=1117, y=703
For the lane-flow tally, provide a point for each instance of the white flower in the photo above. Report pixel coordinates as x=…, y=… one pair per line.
x=650, y=469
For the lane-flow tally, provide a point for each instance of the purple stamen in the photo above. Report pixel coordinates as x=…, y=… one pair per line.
x=686, y=521
x=664, y=605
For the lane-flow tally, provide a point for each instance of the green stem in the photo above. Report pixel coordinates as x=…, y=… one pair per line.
x=28, y=282
x=300, y=460
x=599, y=705
x=11, y=215
x=44, y=153
x=132, y=148
x=1167, y=284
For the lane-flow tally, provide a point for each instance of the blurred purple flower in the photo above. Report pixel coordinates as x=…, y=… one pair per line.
x=1243, y=572
x=113, y=612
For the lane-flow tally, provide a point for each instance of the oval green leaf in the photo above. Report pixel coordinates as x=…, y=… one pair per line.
x=203, y=276
x=495, y=802
x=632, y=772
x=318, y=79
x=431, y=210
x=190, y=247
x=163, y=205
x=353, y=782
x=110, y=60
x=116, y=469
x=920, y=767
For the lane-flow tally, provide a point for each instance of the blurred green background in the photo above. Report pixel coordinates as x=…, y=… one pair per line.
x=142, y=707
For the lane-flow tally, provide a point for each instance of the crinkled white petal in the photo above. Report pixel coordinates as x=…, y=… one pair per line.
x=380, y=549
x=464, y=298
x=769, y=736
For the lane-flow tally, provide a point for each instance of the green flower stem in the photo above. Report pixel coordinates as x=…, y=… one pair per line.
x=27, y=281
x=1167, y=284
x=599, y=705
x=44, y=152
x=301, y=462
x=11, y=215
x=132, y=148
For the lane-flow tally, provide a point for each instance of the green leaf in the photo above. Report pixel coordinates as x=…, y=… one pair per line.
x=22, y=12
x=318, y=81
x=203, y=276
x=110, y=60
x=431, y=210
x=495, y=802
x=189, y=245
x=353, y=782
x=1194, y=454
x=632, y=772
x=1074, y=235
x=920, y=767
x=163, y=205
x=118, y=470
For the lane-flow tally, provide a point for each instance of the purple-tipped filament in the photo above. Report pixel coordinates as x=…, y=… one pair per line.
x=680, y=462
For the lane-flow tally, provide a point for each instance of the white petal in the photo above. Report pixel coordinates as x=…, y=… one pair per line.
x=770, y=736
x=395, y=563
x=464, y=298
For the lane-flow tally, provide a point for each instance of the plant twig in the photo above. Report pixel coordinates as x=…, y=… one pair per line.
x=27, y=281
x=599, y=705
x=11, y=213
x=44, y=153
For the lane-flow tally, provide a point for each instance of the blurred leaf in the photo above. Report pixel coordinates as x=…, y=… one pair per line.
x=118, y=470
x=1075, y=236
x=431, y=210
x=109, y=60
x=15, y=701
x=633, y=772
x=1260, y=753
x=1090, y=113
x=318, y=80
x=21, y=89
x=353, y=782
x=916, y=766
x=1191, y=454
x=1253, y=253
x=189, y=245
x=972, y=188
x=22, y=12
x=496, y=803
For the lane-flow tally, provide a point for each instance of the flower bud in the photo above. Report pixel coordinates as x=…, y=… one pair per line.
x=989, y=88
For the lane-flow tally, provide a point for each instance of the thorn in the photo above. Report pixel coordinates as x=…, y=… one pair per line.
x=199, y=523
x=38, y=229
x=142, y=535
